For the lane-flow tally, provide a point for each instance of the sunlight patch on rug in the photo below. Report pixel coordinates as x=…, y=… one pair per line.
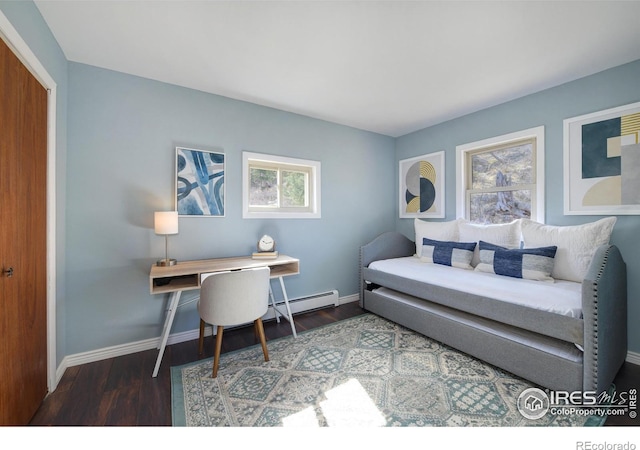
x=347, y=405
x=361, y=372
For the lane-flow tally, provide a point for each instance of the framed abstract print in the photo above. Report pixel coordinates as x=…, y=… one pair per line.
x=422, y=186
x=602, y=162
x=199, y=182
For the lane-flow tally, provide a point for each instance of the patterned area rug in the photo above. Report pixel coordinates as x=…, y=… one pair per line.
x=364, y=371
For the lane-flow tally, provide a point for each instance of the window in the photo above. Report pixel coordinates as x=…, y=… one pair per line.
x=502, y=179
x=280, y=187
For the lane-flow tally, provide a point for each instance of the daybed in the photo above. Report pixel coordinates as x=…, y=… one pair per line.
x=566, y=330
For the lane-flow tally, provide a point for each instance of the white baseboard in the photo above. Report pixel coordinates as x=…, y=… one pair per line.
x=153, y=343
x=633, y=358
x=349, y=298
x=149, y=344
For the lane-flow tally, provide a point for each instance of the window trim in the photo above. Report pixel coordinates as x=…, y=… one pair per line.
x=313, y=168
x=462, y=175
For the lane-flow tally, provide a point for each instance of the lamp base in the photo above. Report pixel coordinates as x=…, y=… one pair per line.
x=166, y=262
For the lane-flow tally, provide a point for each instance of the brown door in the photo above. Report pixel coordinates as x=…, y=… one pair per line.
x=23, y=308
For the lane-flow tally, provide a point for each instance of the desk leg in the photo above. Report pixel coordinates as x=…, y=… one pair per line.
x=286, y=303
x=273, y=303
x=166, y=330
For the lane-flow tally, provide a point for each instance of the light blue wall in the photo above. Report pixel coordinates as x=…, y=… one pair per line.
x=615, y=87
x=123, y=131
x=26, y=19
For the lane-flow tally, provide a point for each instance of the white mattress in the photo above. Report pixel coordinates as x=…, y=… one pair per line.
x=561, y=297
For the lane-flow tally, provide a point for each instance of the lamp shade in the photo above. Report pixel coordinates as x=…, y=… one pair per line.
x=166, y=222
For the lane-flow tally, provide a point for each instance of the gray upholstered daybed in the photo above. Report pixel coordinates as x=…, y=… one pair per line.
x=578, y=344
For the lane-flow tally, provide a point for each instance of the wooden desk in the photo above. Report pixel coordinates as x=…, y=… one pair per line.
x=187, y=275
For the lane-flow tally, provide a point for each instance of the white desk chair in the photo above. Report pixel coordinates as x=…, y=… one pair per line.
x=233, y=298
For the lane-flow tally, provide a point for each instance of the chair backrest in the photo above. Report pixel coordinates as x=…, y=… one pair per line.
x=234, y=298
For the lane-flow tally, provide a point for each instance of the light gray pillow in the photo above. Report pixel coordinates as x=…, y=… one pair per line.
x=576, y=244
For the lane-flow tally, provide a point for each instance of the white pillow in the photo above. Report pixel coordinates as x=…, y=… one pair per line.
x=576, y=244
x=502, y=234
x=437, y=231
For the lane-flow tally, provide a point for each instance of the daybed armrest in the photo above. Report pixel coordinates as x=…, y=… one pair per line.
x=386, y=246
x=604, y=308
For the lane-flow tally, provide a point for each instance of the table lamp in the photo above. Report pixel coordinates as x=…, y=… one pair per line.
x=166, y=222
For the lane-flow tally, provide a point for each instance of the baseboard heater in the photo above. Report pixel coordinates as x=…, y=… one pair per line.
x=307, y=303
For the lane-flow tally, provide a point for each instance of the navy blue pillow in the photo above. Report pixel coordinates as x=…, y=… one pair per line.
x=448, y=253
x=529, y=263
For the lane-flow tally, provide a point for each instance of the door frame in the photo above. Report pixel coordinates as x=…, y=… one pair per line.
x=13, y=39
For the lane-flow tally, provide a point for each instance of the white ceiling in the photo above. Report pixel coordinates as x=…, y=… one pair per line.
x=390, y=67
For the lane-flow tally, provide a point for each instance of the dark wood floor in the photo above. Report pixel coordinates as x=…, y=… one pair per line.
x=120, y=391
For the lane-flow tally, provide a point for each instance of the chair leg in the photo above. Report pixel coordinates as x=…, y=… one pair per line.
x=216, y=354
x=263, y=339
x=201, y=338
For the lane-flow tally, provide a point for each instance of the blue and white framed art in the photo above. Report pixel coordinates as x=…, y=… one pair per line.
x=422, y=186
x=602, y=162
x=199, y=182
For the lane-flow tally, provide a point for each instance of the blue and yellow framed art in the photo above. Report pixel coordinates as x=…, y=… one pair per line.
x=602, y=162
x=422, y=186
x=200, y=182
